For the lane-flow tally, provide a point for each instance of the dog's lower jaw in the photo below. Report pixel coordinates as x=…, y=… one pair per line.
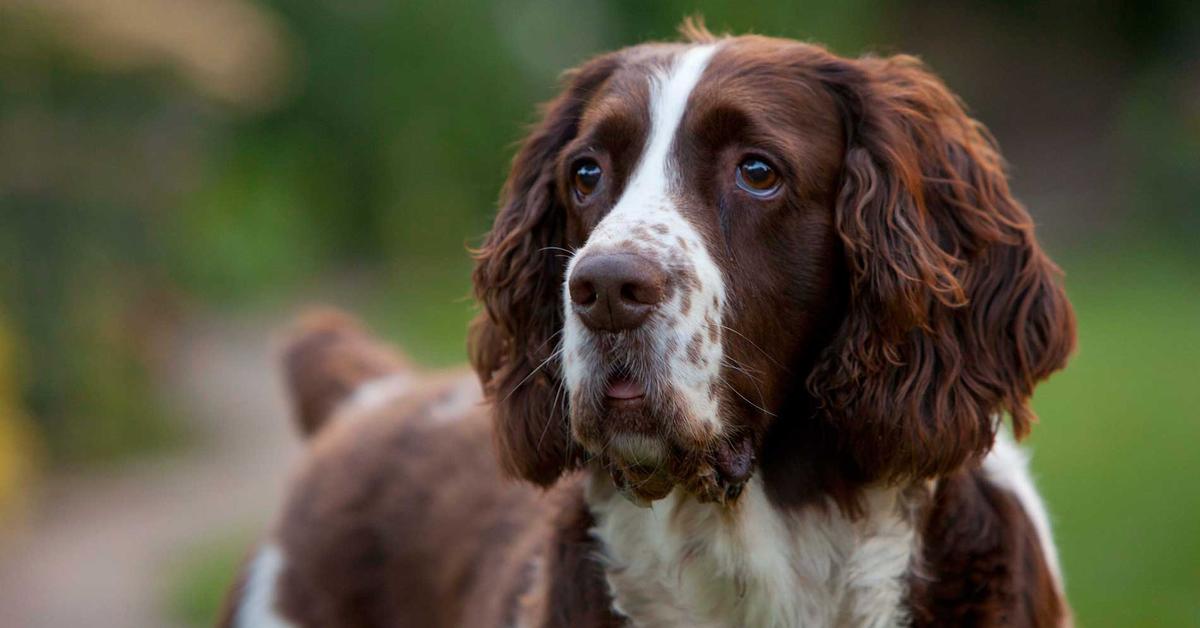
x=716, y=477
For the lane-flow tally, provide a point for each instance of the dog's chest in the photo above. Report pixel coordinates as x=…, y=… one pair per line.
x=682, y=563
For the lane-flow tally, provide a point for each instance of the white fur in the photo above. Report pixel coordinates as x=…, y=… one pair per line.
x=682, y=563
x=649, y=206
x=377, y=393
x=458, y=401
x=257, y=608
x=1007, y=466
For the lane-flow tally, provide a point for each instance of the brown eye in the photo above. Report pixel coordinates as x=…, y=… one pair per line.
x=586, y=178
x=757, y=177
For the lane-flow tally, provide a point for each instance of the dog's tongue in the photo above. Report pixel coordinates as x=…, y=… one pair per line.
x=625, y=388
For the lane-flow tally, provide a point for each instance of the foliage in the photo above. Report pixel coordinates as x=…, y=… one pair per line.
x=199, y=580
x=286, y=144
x=18, y=443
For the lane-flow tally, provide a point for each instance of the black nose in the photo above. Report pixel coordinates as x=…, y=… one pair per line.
x=616, y=291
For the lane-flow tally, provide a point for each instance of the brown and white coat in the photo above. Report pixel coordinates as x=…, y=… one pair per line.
x=752, y=314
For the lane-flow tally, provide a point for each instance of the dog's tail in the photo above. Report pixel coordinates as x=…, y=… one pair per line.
x=327, y=356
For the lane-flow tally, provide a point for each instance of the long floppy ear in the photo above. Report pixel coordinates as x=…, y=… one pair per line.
x=518, y=279
x=955, y=313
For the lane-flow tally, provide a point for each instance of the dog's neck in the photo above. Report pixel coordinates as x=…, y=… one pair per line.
x=683, y=563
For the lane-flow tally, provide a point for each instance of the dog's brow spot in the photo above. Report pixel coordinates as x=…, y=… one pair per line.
x=687, y=277
x=694, y=347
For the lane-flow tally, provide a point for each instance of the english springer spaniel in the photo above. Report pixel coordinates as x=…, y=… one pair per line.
x=752, y=315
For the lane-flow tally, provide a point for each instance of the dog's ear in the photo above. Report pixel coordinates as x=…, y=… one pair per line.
x=954, y=312
x=518, y=279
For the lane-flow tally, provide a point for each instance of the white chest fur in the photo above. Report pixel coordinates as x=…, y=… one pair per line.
x=682, y=563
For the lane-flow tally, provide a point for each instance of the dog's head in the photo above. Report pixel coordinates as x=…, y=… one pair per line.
x=742, y=253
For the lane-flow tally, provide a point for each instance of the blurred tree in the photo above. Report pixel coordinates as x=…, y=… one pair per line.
x=163, y=154
x=93, y=165
x=163, y=157
x=18, y=444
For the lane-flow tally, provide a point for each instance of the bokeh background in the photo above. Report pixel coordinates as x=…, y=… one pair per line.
x=178, y=177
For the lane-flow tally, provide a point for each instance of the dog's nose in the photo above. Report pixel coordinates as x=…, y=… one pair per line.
x=616, y=291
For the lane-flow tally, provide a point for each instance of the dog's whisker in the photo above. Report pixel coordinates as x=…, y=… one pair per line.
x=753, y=380
x=753, y=375
x=550, y=339
x=552, y=356
x=739, y=394
x=755, y=345
x=559, y=388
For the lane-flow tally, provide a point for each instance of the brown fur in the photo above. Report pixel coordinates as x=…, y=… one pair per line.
x=394, y=519
x=397, y=519
x=946, y=316
x=955, y=312
x=326, y=356
x=889, y=306
x=519, y=285
x=983, y=565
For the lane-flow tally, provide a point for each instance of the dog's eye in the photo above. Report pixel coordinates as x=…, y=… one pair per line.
x=757, y=177
x=586, y=178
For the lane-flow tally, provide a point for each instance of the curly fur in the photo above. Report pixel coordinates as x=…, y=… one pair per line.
x=954, y=314
x=955, y=311
x=518, y=280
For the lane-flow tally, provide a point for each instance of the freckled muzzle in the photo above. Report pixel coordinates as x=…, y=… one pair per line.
x=641, y=358
x=643, y=301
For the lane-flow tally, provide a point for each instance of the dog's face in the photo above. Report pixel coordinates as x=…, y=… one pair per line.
x=704, y=252
x=708, y=246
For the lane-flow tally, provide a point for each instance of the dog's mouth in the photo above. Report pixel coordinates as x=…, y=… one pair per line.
x=624, y=390
x=638, y=430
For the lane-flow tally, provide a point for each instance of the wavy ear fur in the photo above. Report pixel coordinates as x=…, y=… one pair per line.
x=518, y=280
x=955, y=313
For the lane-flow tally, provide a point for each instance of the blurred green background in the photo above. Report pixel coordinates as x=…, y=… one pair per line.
x=164, y=162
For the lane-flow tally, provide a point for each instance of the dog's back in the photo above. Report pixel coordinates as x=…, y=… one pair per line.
x=398, y=513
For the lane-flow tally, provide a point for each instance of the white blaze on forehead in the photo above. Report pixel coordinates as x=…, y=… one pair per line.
x=647, y=220
x=647, y=198
x=668, y=102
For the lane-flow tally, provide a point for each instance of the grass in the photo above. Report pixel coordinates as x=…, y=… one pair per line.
x=425, y=310
x=1115, y=452
x=198, y=582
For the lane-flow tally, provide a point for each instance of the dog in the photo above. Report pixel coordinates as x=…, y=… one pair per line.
x=752, y=316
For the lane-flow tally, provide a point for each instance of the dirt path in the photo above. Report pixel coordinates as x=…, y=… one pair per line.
x=99, y=547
